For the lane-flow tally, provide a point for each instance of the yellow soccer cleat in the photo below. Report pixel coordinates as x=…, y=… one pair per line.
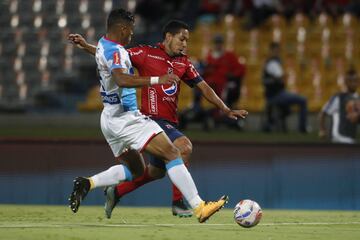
x=207, y=209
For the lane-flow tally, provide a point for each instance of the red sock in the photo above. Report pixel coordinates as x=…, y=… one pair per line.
x=126, y=187
x=177, y=195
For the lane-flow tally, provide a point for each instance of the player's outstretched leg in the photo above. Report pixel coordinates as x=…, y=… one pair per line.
x=109, y=177
x=203, y=210
x=111, y=200
x=207, y=209
x=180, y=176
x=80, y=189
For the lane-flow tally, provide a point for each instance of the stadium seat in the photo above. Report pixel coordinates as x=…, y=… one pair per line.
x=252, y=45
x=93, y=101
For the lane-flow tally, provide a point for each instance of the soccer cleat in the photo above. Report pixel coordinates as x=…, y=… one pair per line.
x=80, y=190
x=111, y=200
x=206, y=209
x=180, y=209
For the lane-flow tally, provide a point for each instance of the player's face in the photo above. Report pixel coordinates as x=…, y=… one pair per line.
x=178, y=42
x=127, y=31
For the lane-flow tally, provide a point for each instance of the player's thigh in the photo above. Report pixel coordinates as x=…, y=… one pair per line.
x=161, y=147
x=117, y=146
x=176, y=136
x=131, y=130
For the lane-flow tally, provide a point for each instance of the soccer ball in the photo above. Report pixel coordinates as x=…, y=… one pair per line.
x=247, y=213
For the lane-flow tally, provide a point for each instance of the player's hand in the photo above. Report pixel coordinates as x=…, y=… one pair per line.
x=235, y=114
x=77, y=40
x=169, y=79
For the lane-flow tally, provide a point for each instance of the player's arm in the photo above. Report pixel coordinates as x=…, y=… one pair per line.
x=211, y=96
x=125, y=80
x=80, y=42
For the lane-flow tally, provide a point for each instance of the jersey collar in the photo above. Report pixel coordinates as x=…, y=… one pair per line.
x=110, y=40
x=161, y=46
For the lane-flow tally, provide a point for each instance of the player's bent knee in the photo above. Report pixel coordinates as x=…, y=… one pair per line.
x=161, y=147
x=169, y=152
x=185, y=146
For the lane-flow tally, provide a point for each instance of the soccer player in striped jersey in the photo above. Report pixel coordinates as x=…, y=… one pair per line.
x=160, y=102
x=125, y=128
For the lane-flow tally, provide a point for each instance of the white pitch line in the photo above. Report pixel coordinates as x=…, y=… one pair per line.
x=165, y=225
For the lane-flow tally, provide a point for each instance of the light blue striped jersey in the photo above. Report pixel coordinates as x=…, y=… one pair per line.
x=111, y=55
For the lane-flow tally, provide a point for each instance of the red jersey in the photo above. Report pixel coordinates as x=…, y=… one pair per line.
x=161, y=101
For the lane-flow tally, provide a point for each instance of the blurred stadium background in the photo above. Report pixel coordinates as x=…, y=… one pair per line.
x=49, y=102
x=41, y=71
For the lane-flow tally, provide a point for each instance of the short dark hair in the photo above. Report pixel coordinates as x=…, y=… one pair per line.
x=174, y=27
x=119, y=15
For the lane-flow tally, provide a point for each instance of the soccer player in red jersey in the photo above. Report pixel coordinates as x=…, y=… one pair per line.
x=160, y=102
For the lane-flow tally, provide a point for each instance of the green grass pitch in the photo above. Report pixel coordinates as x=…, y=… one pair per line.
x=58, y=222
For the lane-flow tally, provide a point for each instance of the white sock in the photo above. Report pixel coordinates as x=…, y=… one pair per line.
x=181, y=177
x=112, y=176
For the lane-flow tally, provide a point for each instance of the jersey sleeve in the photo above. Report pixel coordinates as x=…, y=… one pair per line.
x=191, y=76
x=332, y=106
x=116, y=58
x=137, y=55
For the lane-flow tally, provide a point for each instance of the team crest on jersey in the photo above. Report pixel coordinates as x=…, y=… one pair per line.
x=169, y=90
x=116, y=58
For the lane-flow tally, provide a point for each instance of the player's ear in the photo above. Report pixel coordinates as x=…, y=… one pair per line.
x=168, y=36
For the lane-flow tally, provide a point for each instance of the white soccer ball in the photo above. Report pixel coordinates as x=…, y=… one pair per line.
x=247, y=213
